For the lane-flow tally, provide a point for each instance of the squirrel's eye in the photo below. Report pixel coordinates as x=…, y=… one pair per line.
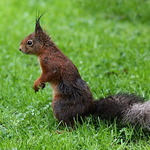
x=30, y=42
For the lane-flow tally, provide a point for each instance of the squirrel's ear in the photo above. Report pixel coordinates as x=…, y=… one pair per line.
x=38, y=29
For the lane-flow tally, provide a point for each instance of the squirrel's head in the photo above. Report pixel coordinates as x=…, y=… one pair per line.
x=34, y=42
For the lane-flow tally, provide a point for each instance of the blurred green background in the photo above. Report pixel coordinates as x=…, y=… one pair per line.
x=109, y=43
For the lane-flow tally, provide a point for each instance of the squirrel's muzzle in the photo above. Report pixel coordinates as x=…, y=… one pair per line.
x=20, y=48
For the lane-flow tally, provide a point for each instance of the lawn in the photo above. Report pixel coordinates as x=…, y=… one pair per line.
x=108, y=41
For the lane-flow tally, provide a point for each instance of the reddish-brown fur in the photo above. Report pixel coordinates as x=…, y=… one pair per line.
x=72, y=98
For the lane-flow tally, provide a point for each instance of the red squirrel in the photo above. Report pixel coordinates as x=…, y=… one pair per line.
x=72, y=98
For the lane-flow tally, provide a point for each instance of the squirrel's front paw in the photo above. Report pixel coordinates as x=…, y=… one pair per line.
x=36, y=87
x=42, y=85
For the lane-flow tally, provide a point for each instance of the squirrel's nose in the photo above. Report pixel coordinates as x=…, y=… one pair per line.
x=19, y=48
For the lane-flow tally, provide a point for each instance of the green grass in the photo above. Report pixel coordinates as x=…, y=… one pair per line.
x=108, y=41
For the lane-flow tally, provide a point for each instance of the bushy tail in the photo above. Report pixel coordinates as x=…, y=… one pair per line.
x=138, y=114
x=128, y=108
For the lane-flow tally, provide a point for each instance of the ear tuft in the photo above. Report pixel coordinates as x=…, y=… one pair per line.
x=38, y=29
x=37, y=26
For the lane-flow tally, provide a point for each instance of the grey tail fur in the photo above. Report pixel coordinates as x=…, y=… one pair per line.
x=129, y=108
x=138, y=113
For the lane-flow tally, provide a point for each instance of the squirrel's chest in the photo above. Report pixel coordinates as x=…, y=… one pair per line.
x=40, y=64
x=54, y=90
